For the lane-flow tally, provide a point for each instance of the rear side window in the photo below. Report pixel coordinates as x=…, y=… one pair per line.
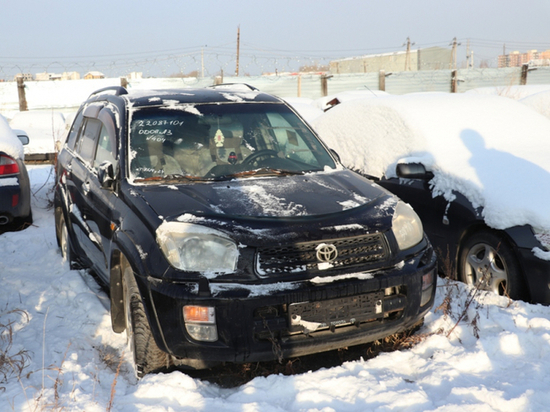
x=75, y=130
x=86, y=144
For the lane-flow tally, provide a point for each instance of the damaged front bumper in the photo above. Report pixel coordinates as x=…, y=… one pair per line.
x=245, y=323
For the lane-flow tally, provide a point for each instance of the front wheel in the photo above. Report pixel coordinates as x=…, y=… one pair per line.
x=486, y=261
x=147, y=356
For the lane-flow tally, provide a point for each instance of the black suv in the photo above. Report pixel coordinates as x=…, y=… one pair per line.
x=225, y=230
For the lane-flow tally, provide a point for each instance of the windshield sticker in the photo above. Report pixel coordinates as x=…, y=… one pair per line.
x=292, y=138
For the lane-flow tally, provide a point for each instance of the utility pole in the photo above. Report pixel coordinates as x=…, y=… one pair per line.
x=408, y=55
x=202, y=62
x=468, y=54
x=453, y=54
x=238, y=49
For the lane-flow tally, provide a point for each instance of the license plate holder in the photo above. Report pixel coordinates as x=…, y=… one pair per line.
x=312, y=316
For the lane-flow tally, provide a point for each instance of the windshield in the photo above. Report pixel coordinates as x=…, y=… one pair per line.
x=219, y=141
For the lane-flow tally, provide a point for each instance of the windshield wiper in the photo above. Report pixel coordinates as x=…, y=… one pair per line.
x=171, y=178
x=264, y=171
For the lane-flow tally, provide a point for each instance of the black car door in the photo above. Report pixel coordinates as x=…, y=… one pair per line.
x=433, y=211
x=93, y=205
x=103, y=200
x=82, y=210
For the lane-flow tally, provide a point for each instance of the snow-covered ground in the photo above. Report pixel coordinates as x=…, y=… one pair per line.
x=495, y=359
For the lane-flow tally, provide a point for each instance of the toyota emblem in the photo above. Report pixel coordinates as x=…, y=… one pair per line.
x=326, y=252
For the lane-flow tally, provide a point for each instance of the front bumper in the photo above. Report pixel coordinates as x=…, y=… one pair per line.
x=255, y=328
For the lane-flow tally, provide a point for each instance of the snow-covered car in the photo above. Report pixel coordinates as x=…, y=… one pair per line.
x=476, y=170
x=45, y=130
x=225, y=231
x=15, y=192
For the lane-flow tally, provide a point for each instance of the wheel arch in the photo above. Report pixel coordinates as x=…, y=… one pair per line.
x=482, y=227
x=124, y=246
x=506, y=236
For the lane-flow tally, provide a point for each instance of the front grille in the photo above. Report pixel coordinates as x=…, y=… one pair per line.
x=353, y=251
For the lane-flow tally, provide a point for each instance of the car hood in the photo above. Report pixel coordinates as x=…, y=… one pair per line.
x=273, y=197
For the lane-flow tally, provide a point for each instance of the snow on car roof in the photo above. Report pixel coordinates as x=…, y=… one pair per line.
x=492, y=149
x=539, y=102
x=9, y=143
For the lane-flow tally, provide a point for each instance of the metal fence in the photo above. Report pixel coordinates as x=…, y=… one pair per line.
x=67, y=95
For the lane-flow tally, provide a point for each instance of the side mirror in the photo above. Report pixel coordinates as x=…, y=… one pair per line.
x=413, y=171
x=336, y=155
x=22, y=137
x=106, y=175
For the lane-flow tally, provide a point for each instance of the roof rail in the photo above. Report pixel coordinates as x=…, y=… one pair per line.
x=234, y=84
x=118, y=90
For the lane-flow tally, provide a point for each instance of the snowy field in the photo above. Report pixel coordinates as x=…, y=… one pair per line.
x=475, y=352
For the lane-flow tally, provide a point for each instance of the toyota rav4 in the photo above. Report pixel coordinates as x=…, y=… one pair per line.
x=225, y=231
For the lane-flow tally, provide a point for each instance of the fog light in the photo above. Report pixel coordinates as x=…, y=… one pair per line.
x=427, y=287
x=200, y=322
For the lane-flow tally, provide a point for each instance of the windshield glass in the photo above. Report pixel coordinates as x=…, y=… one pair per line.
x=218, y=141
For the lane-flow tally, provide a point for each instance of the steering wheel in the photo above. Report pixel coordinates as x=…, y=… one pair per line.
x=260, y=153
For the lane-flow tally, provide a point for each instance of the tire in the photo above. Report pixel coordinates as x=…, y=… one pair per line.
x=486, y=261
x=65, y=243
x=146, y=354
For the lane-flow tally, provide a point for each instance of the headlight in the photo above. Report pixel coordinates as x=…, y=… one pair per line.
x=196, y=248
x=407, y=227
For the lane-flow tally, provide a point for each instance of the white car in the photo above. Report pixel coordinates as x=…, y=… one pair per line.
x=15, y=194
x=44, y=128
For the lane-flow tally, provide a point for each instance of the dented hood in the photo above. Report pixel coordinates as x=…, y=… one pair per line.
x=282, y=196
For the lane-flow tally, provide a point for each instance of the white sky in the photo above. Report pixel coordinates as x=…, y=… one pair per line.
x=101, y=34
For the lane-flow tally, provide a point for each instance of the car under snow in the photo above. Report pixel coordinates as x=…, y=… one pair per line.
x=474, y=167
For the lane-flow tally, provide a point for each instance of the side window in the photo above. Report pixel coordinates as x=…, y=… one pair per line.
x=86, y=144
x=104, y=150
x=75, y=130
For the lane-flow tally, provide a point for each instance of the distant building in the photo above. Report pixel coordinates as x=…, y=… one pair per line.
x=432, y=58
x=70, y=76
x=25, y=76
x=517, y=59
x=40, y=77
x=135, y=76
x=94, y=75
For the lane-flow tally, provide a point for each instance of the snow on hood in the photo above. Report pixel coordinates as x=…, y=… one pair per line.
x=288, y=196
x=305, y=107
x=346, y=96
x=9, y=142
x=492, y=149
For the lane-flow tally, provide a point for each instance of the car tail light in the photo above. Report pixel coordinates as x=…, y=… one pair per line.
x=8, y=166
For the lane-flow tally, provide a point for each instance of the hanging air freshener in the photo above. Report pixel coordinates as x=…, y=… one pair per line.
x=218, y=138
